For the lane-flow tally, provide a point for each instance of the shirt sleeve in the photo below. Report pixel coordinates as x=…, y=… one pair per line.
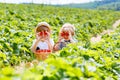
x=52, y=42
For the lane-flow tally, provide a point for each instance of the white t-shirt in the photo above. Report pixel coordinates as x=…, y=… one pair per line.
x=43, y=45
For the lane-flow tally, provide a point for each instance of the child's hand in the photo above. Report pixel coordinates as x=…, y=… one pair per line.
x=43, y=35
x=39, y=37
x=60, y=38
x=47, y=36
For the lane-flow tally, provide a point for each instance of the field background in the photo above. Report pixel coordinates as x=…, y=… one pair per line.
x=81, y=61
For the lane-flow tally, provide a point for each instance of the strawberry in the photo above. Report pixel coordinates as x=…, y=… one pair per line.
x=41, y=50
x=62, y=34
x=40, y=33
x=45, y=33
x=48, y=50
x=44, y=50
x=67, y=34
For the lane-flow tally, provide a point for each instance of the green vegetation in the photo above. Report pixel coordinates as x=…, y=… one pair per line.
x=84, y=60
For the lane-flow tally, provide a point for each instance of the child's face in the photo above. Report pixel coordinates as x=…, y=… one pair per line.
x=43, y=32
x=65, y=34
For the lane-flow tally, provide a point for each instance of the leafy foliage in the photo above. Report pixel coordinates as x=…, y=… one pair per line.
x=83, y=60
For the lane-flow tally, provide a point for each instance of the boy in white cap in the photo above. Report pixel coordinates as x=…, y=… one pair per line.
x=43, y=44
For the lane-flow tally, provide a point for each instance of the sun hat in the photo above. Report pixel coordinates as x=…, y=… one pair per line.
x=44, y=24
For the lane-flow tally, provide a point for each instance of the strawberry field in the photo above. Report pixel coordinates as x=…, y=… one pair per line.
x=81, y=61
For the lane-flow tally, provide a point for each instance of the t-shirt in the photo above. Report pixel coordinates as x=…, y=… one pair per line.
x=43, y=45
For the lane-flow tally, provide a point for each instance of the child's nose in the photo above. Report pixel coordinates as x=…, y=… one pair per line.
x=43, y=33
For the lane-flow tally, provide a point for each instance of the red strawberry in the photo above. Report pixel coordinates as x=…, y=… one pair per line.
x=38, y=51
x=44, y=50
x=45, y=33
x=40, y=33
x=67, y=34
x=62, y=34
x=48, y=50
x=41, y=50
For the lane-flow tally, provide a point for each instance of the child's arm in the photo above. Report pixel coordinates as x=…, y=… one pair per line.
x=35, y=42
x=33, y=48
x=72, y=41
x=60, y=38
x=49, y=45
x=49, y=41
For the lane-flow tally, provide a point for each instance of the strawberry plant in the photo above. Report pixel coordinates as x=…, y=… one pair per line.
x=79, y=61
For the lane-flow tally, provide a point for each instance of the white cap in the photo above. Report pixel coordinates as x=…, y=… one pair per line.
x=43, y=24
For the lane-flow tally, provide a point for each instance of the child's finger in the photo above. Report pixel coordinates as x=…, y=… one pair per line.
x=41, y=33
x=48, y=35
x=37, y=36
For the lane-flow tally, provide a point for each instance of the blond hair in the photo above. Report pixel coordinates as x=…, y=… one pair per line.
x=68, y=26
